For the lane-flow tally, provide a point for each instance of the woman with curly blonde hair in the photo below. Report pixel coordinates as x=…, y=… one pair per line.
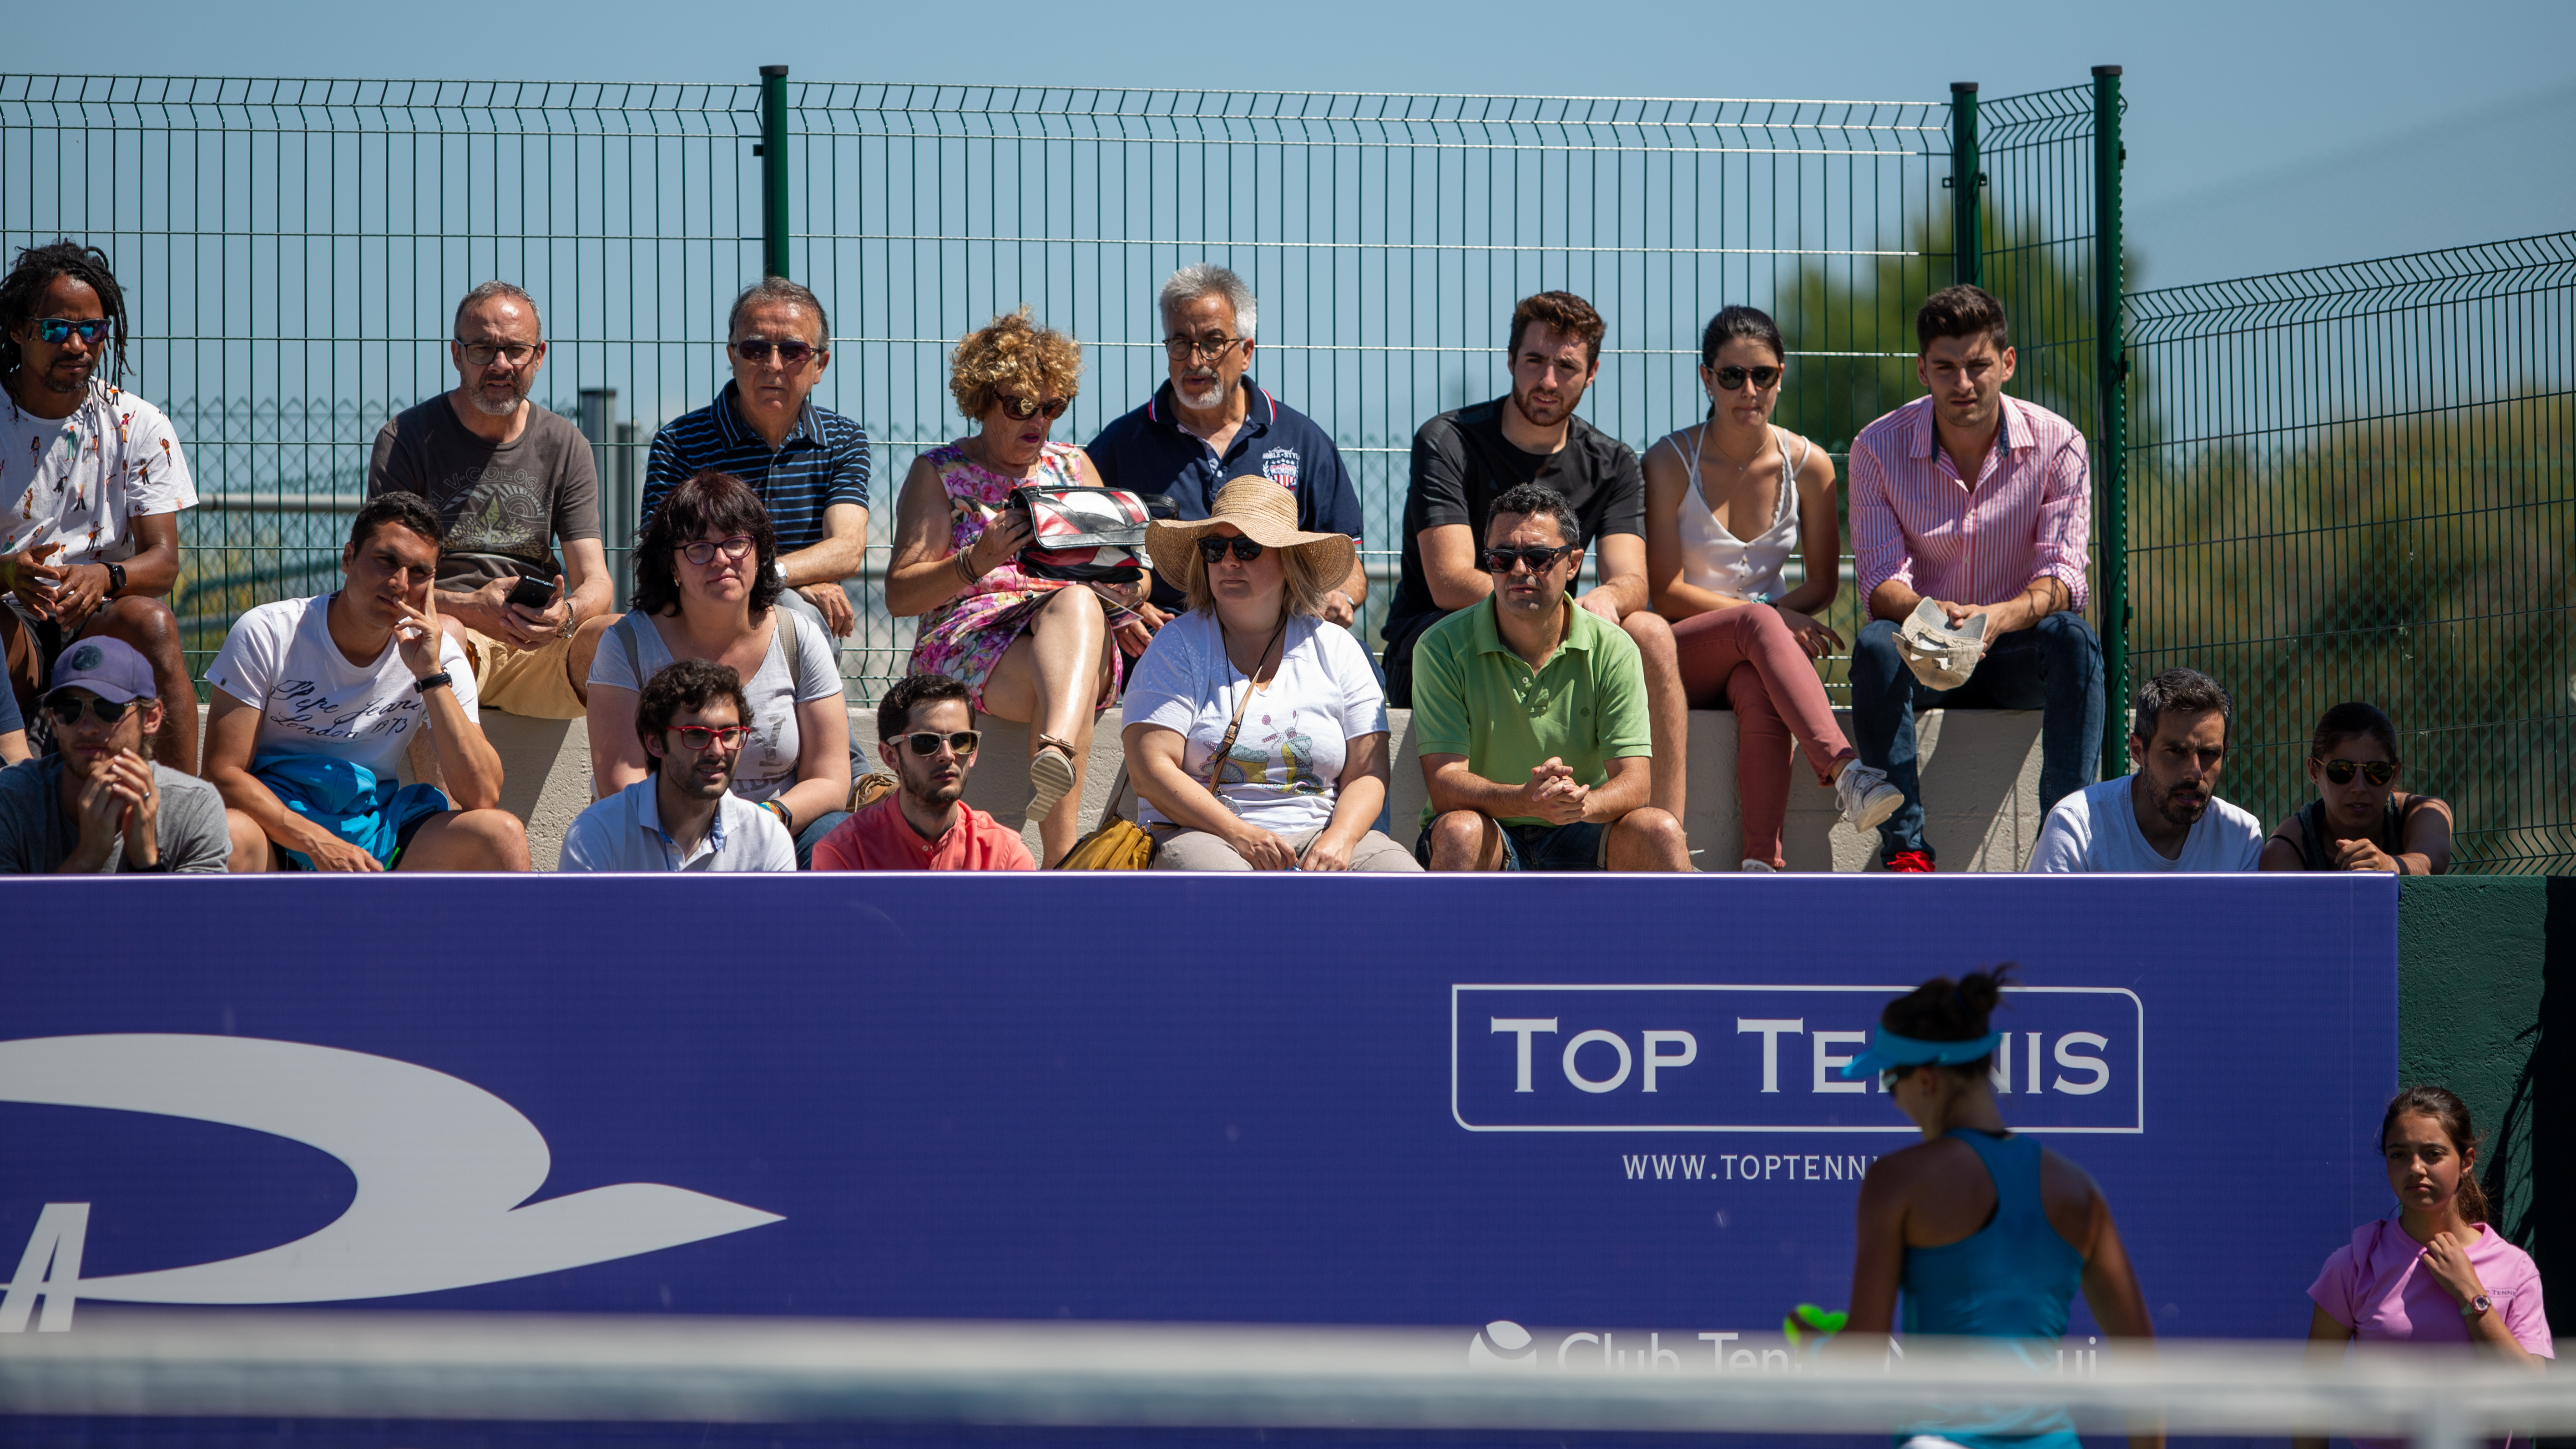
x=1035, y=651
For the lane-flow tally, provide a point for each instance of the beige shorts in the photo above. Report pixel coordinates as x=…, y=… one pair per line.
x=1177, y=849
x=533, y=683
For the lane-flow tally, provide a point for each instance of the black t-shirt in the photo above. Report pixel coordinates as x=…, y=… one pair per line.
x=1462, y=463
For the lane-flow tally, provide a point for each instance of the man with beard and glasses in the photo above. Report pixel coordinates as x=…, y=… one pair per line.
x=510, y=481
x=1463, y=460
x=925, y=735
x=2167, y=816
x=92, y=480
x=99, y=803
x=693, y=719
x=1211, y=424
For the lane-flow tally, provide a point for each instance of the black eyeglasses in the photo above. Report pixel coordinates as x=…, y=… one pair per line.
x=482, y=354
x=67, y=709
x=1020, y=409
x=1213, y=547
x=1540, y=560
x=1730, y=379
x=2377, y=772
x=757, y=349
x=704, y=552
x=1183, y=349
x=927, y=742
x=701, y=737
x=55, y=329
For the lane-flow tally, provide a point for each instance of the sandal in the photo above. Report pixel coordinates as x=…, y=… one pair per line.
x=1050, y=775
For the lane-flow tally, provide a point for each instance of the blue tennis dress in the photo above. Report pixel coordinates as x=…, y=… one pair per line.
x=2012, y=1280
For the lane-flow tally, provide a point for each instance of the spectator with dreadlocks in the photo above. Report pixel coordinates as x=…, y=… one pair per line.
x=91, y=484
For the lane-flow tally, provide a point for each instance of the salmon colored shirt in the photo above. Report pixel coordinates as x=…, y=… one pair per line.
x=879, y=838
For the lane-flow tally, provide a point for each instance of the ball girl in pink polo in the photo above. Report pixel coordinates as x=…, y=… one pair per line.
x=2436, y=1273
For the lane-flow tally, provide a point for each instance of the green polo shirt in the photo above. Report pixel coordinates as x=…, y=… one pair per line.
x=1473, y=696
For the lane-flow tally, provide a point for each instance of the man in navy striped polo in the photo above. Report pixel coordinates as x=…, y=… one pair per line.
x=1211, y=424
x=808, y=464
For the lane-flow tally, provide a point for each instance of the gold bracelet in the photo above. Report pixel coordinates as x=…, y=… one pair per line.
x=965, y=566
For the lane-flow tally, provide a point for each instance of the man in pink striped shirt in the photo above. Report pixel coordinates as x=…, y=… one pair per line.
x=2009, y=545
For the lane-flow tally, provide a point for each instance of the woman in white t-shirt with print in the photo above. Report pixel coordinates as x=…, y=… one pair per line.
x=706, y=583
x=1304, y=776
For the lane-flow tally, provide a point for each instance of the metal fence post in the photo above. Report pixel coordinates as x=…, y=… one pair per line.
x=2111, y=447
x=773, y=170
x=1967, y=240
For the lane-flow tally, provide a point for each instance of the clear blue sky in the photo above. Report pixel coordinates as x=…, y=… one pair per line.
x=2262, y=136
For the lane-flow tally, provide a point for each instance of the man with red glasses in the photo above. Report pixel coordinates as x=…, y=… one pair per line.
x=925, y=734
x=511, y=481
x=100, y=804
x=808, y=464
x=693, y=718
x=92, y=481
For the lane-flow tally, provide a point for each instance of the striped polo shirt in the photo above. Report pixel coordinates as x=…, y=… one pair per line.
x=2027, y=517
x=824, y=461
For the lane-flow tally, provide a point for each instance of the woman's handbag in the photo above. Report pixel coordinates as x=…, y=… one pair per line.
x=1086, y=535
x=1122, y=844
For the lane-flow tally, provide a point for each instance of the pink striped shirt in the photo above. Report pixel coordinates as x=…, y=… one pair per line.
x=2027, y=518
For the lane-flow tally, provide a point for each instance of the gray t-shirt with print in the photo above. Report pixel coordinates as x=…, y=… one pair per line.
x=503, y=507
x=37, y=835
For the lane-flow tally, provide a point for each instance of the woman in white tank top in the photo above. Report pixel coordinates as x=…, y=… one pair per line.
x=1726, y=503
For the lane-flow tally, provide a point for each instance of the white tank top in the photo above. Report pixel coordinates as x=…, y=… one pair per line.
x=1717, y=560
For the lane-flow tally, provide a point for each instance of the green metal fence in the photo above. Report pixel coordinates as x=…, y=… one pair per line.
x=2359, y=482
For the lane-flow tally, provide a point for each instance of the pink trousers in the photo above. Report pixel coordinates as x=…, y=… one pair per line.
x=1746, y=657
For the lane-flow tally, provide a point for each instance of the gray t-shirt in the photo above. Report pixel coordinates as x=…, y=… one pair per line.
x=502, y=507
x=37, y=835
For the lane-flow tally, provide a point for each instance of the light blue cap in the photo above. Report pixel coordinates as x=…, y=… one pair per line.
x=1888, y=1050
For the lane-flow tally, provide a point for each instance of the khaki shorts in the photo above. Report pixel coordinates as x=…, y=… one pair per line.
x=533, y=683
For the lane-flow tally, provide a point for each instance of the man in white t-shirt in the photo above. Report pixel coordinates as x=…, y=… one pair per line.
x=2167, y=816
x=317, y=701
x=91, y=485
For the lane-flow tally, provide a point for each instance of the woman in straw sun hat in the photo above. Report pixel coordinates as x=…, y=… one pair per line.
x=1256, y=731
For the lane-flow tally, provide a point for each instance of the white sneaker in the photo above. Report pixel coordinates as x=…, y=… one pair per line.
x=1756, y=867
x=1865, y=796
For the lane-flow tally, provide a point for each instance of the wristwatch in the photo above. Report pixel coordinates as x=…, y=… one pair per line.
x=115, y=579
x=428, y=682
x=2476, y=1308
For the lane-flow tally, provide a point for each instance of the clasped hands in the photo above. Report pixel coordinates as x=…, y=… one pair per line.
x=65, y=593
x=118, y=804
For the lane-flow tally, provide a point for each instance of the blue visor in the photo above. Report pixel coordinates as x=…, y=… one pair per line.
x=1887, y=1050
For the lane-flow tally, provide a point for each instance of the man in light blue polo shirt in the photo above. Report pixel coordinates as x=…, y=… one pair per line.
x=1530, y=717
x=683, y=815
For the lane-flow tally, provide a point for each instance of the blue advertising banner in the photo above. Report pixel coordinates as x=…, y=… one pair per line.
x=1601, y=1115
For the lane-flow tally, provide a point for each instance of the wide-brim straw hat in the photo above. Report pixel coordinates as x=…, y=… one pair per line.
x=1265, y=513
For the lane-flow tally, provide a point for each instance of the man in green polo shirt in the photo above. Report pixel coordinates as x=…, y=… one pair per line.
x=1530, y=716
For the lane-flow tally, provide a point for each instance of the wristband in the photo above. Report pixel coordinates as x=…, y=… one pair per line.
x=785, y=816
x=115, y=579
x=428, y=682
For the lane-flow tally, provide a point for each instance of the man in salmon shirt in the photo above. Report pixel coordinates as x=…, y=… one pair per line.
x=925, y=734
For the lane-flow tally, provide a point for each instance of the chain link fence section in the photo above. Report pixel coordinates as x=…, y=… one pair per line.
x=2359, y=482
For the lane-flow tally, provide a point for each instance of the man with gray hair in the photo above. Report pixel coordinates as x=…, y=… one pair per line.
x=2167, y=816
x=511, y=482
x=1210, y=424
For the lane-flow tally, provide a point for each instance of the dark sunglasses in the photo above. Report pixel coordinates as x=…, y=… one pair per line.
x=1730, y=379
x=927, y=742
x=757, y=349
x=55, y=329
x=1020, y=409
x=1540, y=560
x=2378, y=772
x=701, y=737
x=703, y=552
x=1212, y=548
x=67, y=708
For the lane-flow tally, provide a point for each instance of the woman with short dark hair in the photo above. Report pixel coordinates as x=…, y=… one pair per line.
x=2360, y=820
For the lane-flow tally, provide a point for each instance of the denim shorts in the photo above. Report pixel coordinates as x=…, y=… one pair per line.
x=1578, y=846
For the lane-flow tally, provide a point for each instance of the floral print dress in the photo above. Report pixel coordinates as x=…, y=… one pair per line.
x=966, y=636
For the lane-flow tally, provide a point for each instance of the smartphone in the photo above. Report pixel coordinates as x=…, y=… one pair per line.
x=533, y=593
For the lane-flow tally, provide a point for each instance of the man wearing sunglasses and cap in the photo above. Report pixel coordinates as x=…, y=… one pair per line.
x=925, y=734
x=693, y=719
x=809, y=465
x=92, y=481
x=100, y=804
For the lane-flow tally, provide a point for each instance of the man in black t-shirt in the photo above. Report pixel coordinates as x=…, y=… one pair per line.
x=1463, y=460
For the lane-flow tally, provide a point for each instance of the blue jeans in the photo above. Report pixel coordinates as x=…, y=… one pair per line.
x=2055, y=667
x=811, y=834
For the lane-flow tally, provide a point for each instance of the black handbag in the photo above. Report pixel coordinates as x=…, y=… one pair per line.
x=1086, y=535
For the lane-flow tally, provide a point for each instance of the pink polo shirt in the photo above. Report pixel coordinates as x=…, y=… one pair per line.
x=879, y=838
x=2377, y=1286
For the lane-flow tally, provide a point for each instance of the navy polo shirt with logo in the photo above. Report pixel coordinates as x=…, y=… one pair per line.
x=824, y=461
x=1148, y=451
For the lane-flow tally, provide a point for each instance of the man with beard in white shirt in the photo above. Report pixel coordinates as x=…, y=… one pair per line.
x=2167, y=816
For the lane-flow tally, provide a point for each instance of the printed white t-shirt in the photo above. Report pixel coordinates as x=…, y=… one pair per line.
x=81, y=480
x=279, y=659
x=768, y=766
x=1282, y=771
x=2096, y=829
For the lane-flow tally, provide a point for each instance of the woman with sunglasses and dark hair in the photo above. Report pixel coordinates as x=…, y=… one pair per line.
x=705, y=589
x=2359, y=820
x=1039, y=652
x=1984, y=1232
x=1727, y=502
